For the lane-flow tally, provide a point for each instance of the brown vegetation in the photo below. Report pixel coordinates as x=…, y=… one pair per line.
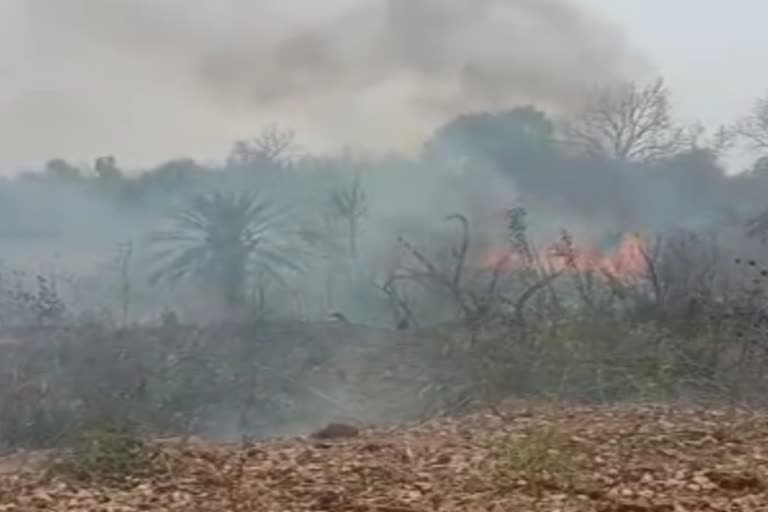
x=574, y=458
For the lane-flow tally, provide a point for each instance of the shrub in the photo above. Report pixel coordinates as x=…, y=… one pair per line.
x=539, y=459
x=108, y=452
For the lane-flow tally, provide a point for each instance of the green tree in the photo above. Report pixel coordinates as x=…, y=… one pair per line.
x=60, y=169
x=168, y=182
x=224, y=239
x=106, y=169
x=515, y=141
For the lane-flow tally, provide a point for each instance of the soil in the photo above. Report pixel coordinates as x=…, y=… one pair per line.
x=642, y=458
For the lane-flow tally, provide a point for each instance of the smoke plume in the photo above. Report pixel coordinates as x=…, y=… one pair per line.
x=154, y=78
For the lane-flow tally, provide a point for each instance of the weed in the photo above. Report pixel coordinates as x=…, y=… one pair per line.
x=107, y=453
x=538, y=460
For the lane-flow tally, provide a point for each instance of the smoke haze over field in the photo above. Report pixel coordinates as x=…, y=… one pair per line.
x=232, y=179
x=150, y=80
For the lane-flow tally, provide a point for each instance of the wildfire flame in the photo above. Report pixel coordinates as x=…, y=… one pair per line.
x=627, y=263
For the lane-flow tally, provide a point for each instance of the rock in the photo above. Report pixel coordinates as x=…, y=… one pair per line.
x=336, y=431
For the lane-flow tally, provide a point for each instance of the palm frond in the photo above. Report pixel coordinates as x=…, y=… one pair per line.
x=222, y=235
x=278, y=258
x=185, y=263
x=175, y=235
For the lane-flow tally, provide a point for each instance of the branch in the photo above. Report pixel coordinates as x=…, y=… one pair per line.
x=461, y=255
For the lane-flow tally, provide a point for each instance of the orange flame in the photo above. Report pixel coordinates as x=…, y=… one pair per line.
x=628, y=263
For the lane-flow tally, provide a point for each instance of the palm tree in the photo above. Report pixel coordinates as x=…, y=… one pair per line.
x=222, y=238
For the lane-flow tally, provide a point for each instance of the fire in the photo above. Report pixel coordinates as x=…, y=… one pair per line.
x=627, y=263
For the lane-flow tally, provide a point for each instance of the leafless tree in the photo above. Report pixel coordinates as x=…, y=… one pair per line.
x=274, y=146
x=401, y=310
x=720, y=141
x=477, y=294
x=626, y=122
x=449, y=279
x=753, y=129
x=350, y=205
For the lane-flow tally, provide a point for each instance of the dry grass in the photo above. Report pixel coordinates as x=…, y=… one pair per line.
x=541, y=458
x=110, y=454
x=576, y=459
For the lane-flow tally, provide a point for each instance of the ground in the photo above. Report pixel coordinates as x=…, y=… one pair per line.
x=548, y=458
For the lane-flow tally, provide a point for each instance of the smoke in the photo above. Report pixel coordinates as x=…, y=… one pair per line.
x=152, y=79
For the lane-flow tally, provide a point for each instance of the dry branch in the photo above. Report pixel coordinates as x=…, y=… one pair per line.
x=626, y=122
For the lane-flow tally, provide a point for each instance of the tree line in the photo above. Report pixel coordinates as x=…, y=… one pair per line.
x=620, y=158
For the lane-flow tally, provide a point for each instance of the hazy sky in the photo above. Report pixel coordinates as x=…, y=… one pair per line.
x=77, y=81
x=709, y=51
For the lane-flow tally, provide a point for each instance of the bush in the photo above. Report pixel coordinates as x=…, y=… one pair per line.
x=107, y=452
x=539, y=459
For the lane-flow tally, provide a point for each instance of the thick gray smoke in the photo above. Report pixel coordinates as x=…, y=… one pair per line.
x=149, y=79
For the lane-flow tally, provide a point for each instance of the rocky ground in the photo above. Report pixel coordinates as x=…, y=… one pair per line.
x=628, y=459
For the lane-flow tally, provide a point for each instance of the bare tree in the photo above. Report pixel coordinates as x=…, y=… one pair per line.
x=753, y=129
x=350, y=204
x=716, y=143
x=477, y=294
x=274, y=146
x=401, y=310
x=124, y=262
x=626, y=122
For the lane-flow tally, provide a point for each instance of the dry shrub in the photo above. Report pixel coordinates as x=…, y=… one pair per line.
x=539, y=460
x=111, y=452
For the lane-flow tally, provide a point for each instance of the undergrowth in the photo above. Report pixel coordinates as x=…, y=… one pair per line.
x=541, y=459
x=109, y=452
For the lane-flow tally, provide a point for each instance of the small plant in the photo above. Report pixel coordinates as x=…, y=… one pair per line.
x=541, y=459
x=41, y=304
x=110, y=453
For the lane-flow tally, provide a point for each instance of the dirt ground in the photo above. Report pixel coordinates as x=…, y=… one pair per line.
x=627, y=459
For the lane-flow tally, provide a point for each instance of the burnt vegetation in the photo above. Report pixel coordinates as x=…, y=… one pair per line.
x=601, y=258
